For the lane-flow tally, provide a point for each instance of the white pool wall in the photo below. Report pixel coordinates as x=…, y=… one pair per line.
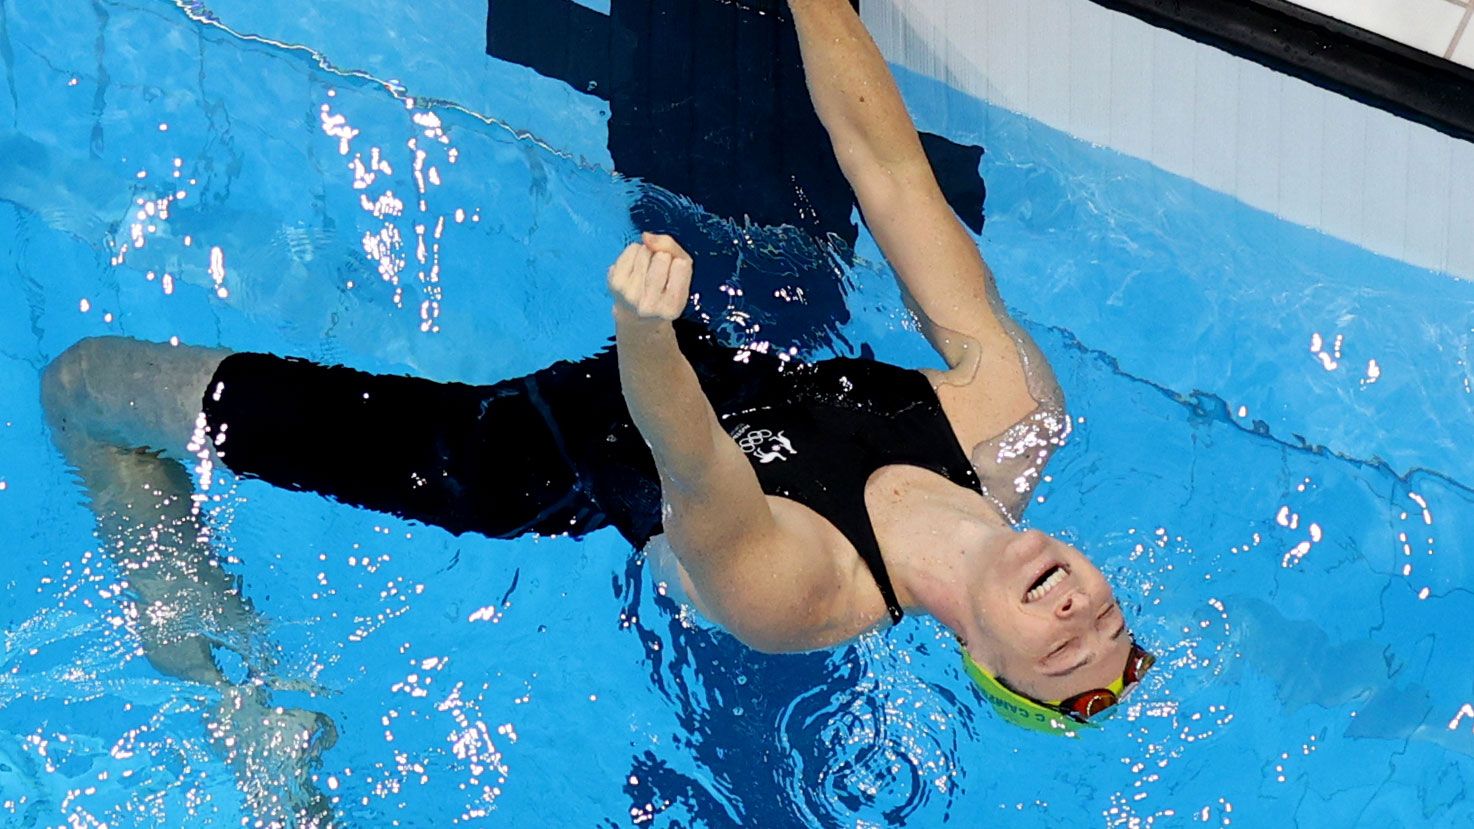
x=1279, y=144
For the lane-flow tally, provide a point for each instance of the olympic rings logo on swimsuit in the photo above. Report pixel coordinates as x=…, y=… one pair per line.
x=764, y=444
x=752, y=439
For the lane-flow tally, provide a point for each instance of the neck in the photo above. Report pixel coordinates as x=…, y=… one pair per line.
x=937, y=578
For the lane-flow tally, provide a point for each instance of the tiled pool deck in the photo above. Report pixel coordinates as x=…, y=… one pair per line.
x=1438, y=27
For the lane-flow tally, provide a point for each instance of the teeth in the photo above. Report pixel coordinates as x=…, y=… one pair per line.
x=1056, y=576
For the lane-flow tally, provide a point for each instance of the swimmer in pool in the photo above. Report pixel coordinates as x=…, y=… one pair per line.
x=797, y=505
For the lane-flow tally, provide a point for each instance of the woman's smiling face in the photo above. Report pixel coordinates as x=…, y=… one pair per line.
x=1051, y=626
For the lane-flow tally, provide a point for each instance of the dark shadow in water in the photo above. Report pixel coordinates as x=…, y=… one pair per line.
x=793, y=740
x=708, y=103
x=707, y=100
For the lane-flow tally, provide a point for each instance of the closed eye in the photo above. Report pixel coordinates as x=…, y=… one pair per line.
x=1105, y=614
x=1058, y=652
x=1088, y=657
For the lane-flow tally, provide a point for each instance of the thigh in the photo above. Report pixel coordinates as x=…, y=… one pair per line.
x=466, y=458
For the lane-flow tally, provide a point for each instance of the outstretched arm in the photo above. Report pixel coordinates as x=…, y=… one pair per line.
x=936, y=260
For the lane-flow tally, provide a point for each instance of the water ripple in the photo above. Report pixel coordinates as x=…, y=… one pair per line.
x=872, y=746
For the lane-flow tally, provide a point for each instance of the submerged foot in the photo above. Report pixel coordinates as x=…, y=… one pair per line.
x=274, y=751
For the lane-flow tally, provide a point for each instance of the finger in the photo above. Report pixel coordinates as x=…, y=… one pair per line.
x=624, y=281
x=680, y=278
x=641, y=264
x=650, y=307
x=621, y=271
x=656, y=276
x=659, y=271
x=678, y=289
x=625, y=261
x=627, y=255
x=669, y=307
x=639, y=284
x=661, y=242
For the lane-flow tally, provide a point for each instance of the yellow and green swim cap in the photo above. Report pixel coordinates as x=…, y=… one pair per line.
x=1019, y=709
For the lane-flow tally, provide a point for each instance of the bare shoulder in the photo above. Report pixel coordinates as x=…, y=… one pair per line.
x=1008, y=413
x=1003, y=383
x=799, y=588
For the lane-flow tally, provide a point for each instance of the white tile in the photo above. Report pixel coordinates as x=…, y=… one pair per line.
x=1007, y=51
x=1131, y=86
x=1049, y=64
x=1429, y=196
x=1423, y=24
x=921, y=26
x=910, y=35
x=884, y=21
x=1464, y=49
x=970, y=58
x=1310, y=156
x=1174, y=88
x=1257, y=171
x=1302, y=137
x=1384, y=193
x=932, y=48
x=1090, y=69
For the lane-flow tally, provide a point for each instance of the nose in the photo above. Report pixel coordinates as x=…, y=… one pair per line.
x=1073, y=603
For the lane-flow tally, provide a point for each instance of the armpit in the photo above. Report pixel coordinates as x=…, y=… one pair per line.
x=1010, y=464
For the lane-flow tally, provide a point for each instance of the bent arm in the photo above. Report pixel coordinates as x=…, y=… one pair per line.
x=712, y=492
x=714, y=505
x=937, y=262
x=764, y=574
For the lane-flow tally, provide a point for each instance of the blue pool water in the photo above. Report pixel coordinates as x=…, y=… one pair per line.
x=1266, y=464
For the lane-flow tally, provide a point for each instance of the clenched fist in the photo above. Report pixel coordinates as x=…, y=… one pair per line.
x=651, y=280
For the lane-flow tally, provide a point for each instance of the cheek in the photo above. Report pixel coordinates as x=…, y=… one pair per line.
x=1090, y=575
x=1010, y=630
x=1006, y=658
x=991, y=611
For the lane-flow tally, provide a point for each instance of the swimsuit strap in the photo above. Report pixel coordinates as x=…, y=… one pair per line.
x=887, y=590
x=814, y=432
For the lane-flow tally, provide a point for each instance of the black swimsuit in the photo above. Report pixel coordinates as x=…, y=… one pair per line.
x=556, y=452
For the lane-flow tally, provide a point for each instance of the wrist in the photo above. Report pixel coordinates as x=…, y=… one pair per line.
x=629, y=322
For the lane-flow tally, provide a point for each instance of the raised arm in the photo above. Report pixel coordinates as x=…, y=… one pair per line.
x=754, y=570
x=702, y=471
x=936, y=260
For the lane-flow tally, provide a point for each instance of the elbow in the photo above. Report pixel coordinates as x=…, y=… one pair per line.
x=771, y=640
x=772, y=628
x=763, y=638
x=743, y=613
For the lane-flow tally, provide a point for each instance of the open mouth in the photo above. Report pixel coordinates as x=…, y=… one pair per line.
x=1047, y=581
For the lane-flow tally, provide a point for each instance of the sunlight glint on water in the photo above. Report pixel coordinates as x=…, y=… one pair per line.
x=1264, y=461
